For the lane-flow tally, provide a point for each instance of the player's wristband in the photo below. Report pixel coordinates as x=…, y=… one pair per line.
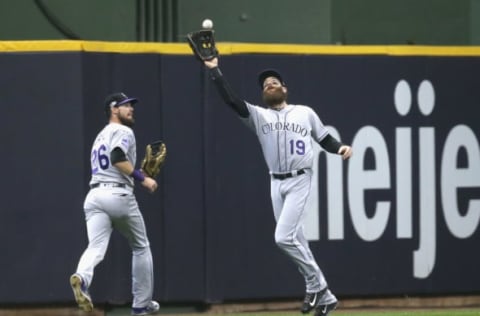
x=331, y=144
x=137, y=175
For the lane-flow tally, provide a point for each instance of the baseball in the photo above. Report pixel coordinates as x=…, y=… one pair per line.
x=207, y=24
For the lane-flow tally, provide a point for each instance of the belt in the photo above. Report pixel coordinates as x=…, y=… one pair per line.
x=282, y=176
x=108, y=184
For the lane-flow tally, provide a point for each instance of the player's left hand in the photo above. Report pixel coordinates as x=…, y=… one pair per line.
x=345, y=151
x=150, y=184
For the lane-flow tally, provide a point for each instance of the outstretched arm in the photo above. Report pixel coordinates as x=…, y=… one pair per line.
x=332, y=145
x=228, y=95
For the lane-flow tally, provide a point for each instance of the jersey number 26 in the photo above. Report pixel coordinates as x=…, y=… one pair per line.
x=99, y=159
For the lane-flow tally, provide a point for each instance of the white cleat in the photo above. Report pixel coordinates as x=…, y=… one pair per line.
x=151, y=308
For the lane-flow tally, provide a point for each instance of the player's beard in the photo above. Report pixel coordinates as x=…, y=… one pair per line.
x=128, y=121
x=275, y=97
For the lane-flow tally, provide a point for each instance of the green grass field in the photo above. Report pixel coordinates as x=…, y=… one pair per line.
x=168, y=311
x=356, y=312
x=444, y=312
x=190, y=311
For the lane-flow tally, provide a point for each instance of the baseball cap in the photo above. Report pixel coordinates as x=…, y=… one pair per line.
x=269, y=73
x=117, y=99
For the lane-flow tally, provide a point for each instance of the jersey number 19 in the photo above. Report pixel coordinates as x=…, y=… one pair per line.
x=297, y=147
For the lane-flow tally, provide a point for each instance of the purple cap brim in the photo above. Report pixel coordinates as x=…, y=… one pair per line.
x=129, y=100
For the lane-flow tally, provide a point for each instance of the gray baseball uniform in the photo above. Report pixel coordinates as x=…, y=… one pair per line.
x=286, y=138
x=111, y=204
x=286, y=134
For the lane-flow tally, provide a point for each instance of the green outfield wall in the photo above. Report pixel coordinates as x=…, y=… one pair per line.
x=352, y=22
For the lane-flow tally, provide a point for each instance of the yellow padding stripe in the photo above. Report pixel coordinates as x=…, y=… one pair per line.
x=350, y=50
x=226, y=48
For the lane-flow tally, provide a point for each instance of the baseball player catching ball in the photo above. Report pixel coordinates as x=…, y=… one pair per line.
x=286, y=132
x=111, y=204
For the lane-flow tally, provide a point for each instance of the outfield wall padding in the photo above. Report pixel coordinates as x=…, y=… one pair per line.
x=400, y=218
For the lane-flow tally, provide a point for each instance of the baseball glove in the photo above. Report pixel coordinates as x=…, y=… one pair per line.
x=202, y=44
x=155, y=155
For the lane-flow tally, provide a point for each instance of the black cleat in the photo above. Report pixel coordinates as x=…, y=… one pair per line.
x=323, y=310
x=310, y=301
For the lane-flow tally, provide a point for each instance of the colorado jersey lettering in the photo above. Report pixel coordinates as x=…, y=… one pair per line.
x=286, y=135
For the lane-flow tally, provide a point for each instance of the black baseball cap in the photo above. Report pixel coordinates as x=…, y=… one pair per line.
x=117, y=99
x=269, y=73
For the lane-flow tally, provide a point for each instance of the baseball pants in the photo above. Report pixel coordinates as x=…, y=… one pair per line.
x=116, y=208
x=289, y=198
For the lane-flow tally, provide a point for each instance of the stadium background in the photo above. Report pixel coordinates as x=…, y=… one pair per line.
x=210, y=243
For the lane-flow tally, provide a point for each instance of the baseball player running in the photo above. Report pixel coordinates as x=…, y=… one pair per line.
x=285, y=132
x=111, y=204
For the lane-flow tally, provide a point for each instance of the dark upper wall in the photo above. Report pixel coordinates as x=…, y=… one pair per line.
x=87, y=19
x=431, y=22
x=428, y=22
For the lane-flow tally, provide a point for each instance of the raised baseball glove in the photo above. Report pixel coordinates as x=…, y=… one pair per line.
x=155, y=155
x=202, y=44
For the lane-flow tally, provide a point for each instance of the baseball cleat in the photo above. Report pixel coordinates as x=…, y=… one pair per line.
x=310, y=302
x=80, y=292
x=151, y=308
x=323, y=310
